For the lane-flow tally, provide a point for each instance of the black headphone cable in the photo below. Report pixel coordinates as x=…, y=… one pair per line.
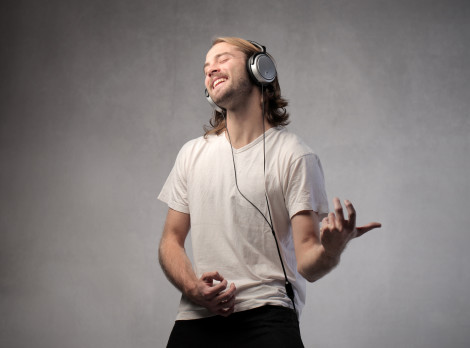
x=287, y=284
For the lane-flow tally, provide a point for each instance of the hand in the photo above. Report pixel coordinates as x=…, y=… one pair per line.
x=216, y=298
x=336, y=232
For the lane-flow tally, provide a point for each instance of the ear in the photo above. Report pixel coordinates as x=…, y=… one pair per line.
x=261, y=67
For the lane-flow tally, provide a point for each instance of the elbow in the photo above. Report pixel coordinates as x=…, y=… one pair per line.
x=308, y=276
x=160, y=256
x=309, y=279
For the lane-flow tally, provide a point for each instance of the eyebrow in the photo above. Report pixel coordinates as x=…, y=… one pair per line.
x=217, y=56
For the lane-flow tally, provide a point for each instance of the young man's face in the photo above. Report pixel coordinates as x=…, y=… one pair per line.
x=227, y=80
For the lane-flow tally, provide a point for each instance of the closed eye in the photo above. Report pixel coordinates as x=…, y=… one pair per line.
x=220, y=58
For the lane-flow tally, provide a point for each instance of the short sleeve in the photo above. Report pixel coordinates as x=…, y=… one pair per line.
x=174, y=192
x=306, y=186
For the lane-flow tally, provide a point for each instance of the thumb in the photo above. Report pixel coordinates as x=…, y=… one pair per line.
x=366, y=228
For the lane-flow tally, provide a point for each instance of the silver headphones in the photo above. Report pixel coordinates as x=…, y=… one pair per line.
x=261, y=69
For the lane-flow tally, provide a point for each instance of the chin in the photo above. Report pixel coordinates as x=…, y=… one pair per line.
x=223, y=98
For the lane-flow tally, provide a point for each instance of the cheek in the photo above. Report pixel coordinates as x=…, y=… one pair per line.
x=243, y=73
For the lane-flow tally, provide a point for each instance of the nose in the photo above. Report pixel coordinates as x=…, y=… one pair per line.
x=211, y=69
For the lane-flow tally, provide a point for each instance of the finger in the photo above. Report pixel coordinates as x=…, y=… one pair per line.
x=209, y=294
x=209, y=276
x=230, y=304
x=232, y=289
x=331, y=222
x=226, y=307
x=351, y=214
x=324, y=224
x=328, y=228
x=339, y=212
x=227, y=294
x=216, y=289
x=225, y=301
x=366, y=228
x=225, y=312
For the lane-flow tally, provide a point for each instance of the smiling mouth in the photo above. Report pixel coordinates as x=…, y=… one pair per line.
x=218, y=82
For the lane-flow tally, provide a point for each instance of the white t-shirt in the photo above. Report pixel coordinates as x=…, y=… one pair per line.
x=228, y=234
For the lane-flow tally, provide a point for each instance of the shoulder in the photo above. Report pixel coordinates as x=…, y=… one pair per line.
x=290, y=146
x=199, y=142
x=194, y=147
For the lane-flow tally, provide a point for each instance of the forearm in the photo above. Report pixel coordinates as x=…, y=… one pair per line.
x=177, y=266
x=312, y=260
x=316, y=263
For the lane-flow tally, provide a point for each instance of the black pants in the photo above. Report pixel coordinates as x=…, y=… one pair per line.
x=267, y=326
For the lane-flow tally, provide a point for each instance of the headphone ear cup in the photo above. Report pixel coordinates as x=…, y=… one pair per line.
x=213, y=104
x=261, y=68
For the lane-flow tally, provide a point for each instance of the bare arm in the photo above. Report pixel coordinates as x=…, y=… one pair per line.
x=172, y=255
x=178, y=269
x=312, y=261
x=317, y=250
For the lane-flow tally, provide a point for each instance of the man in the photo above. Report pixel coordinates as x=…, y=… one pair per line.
x=247, y=181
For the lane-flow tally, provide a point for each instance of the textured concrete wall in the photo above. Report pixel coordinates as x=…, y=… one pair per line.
x=97, y=97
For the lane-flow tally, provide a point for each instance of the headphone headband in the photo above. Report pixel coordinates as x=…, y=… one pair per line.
x=261, y=47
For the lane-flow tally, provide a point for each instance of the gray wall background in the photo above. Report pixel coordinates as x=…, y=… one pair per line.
x=98, y=96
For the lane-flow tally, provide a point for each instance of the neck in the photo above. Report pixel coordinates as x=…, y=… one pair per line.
x=245, y=121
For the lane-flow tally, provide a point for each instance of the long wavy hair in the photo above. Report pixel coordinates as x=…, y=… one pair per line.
x=274, y=103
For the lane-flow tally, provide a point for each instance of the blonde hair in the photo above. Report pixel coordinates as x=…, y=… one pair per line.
x=274, y=103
